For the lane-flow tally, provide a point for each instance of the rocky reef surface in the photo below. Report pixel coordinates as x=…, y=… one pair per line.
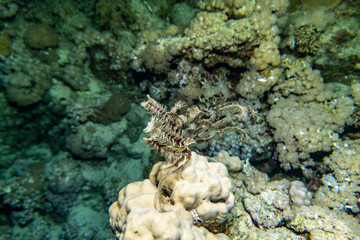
x=73, y=75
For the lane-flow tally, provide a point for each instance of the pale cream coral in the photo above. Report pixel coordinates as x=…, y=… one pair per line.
x=263, y=21
x=254, y=84
x=203, y=192
x=267, y=54
x=233, y=163
x=202, y=186
x=299, y=194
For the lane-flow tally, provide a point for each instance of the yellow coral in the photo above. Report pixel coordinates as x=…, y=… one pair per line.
x=306, y=38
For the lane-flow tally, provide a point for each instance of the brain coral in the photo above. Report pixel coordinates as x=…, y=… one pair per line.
x=40, y=36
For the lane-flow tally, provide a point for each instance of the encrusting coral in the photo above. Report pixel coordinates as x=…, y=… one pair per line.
x=186, y=191
x=230, y=37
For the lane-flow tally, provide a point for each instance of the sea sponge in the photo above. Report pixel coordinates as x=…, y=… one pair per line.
x=40, y=36
x=114, y=108
x=24, y=89
x=5, y=45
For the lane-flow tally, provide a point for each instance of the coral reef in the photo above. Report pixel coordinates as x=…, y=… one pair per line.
x=331, y=35
x=183, y=190
x=338, y=190
x=355, y=93
x=320, y=224
x=315, y=101
x=308, y=5
x=73, y=75
x=266, y=209
x=298, y=139
x=214, y=38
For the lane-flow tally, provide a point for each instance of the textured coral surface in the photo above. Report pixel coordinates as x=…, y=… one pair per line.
x=276, y=85
x=202, y=188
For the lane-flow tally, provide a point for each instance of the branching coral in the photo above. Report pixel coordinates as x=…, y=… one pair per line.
x=307, y=39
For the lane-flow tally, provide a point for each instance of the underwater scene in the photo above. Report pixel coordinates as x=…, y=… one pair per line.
x=180, y=120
